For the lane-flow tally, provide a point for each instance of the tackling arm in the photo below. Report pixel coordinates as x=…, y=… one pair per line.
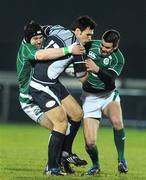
x=54, y=53
x=107, y=76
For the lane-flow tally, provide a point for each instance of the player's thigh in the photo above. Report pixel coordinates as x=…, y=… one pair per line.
x=90, y=127
x=51, y=106
x=58, y=118
x=72, y=107
x=46, y=122
x=114, y=113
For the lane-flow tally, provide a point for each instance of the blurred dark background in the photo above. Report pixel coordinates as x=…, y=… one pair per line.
x=128, y=17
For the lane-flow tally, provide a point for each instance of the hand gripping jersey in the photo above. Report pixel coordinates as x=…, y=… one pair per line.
x=113, y=63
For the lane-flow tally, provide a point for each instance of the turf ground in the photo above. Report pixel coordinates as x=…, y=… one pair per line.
x=23, y=154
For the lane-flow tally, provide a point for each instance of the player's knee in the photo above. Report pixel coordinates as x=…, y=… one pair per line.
x=60, y=116
x=61, y=127
x=61, y=124
x=90, y=146
x=90, y=143
x=46, y=123
x=78, y=115
x=117, y=122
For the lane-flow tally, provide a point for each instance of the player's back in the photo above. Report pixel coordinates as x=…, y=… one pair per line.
x=49, y=71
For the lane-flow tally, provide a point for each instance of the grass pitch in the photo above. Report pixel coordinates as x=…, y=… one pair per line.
x=23, y=154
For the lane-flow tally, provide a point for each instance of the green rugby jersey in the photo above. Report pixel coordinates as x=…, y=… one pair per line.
x=24, y=65
x=114, y=61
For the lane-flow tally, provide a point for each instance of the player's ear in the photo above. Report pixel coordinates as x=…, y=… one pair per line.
x=117, y=46
x=77, y=31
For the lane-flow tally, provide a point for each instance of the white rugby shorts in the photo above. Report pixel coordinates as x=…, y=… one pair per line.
x=94, y=103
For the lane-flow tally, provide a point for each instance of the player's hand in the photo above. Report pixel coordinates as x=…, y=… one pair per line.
x=91, y=66
x=77, y=49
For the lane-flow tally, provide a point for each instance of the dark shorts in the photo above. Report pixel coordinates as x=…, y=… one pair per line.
x=49, y=96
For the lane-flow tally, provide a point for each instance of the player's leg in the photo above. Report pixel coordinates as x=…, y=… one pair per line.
x=90, y=129
x=45, y=122
x=92, y=115
x=59, y=120
x=114, y=113
x=51, y=106
x=36, y=114
x=75, y=115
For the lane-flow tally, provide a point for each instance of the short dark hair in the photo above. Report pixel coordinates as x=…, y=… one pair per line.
x=82, y=22
x=32, y=29
x=111, y=36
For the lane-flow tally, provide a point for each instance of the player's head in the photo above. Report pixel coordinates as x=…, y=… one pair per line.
x=109, y=42
x=83, y=28
x=33, y=33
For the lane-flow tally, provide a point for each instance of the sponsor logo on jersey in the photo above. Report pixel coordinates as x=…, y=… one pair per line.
x=37, y=110
x=50, y=103
x=106, y=61
x=91, y=55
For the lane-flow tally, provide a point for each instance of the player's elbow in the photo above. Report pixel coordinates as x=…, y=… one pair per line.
x=41, y=55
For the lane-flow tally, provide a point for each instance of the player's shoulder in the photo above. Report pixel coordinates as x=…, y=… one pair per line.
x=93, y=49
x=57, y=28
x=26, y=45
x=27, y=49
x=95, y=43
x=62, y=33
x=118, y=55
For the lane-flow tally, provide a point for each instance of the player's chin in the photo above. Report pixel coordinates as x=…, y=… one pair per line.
x=104, y=54
x=38, y=46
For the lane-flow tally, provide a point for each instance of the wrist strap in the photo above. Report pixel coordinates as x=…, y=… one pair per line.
x=66, y=50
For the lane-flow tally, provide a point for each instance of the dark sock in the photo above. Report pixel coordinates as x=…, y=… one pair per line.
x=93, y=153
x=119, y=138
x=54, y=149
x=68, y=141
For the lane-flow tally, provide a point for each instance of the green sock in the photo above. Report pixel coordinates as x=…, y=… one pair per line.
x=119, y=138
x=93, y=153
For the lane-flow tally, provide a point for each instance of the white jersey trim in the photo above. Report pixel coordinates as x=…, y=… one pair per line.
x=25, y=96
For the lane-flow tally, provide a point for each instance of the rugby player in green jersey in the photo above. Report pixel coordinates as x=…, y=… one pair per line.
x=104, y=63
x=30, y=51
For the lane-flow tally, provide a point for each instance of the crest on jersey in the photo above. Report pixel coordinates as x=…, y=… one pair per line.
x=106, y=61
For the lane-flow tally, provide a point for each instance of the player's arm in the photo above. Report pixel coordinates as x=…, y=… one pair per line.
x=107, y=76
x=54, y=53
x=79, y=67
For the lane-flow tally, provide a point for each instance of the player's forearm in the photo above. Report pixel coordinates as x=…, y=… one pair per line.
x=54, y=53
x=108, y=77
x=50, y=53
